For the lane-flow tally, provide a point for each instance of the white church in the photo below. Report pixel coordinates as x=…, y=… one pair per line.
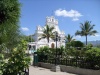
x=51, y=21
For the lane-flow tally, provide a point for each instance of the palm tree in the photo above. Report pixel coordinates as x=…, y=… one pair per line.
x=86, y=29
x=69, y=38
x=47, y=33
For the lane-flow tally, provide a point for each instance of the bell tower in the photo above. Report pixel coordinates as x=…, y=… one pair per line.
x=51, y=21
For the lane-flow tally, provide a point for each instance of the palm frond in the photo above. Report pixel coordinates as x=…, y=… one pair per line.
x=91, y=27
x=93, y=32
x=69, y=38
x=78, y=32
x=86, y=29
x=47, y=32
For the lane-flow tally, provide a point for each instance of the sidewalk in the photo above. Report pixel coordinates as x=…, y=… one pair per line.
x=43, y=71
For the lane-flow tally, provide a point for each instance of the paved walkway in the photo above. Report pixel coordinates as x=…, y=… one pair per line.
x=43, y=71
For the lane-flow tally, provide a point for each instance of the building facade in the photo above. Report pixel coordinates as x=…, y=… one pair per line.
x=51, y=21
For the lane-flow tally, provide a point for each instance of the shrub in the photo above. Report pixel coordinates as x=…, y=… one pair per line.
x=43, y=52
x=77, y=44
x=93, y=56
x=18, y=60
x=1, y=63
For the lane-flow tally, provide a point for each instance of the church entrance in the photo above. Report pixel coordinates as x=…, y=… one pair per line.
x=52, y=45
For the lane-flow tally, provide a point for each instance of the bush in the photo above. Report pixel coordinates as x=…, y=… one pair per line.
x=93, y=56
x=46, y=53
x=18, y=60
x=89, y=46
x=43, y=52
x=77, y=44
x=1, y=63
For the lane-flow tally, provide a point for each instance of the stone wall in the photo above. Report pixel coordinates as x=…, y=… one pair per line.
x=70, y=69
x=80, y=71
x=45, y=65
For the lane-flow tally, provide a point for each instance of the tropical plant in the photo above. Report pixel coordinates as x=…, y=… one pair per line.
x=47, y=33
x=69, y=38
x=86, y=29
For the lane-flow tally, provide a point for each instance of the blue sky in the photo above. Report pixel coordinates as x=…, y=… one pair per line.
x=70, y=13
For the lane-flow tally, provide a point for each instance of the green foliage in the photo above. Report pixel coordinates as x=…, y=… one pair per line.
x=49, y=53
x=47, y=33
x=9, y=11
x=43, y=50
x=11, y=42
x=89, y=46
x=27, y=38
x=61, y=50
x=74, y=44
x=98, y=46
x=30, y=38
x=9, y=18
x=18, y=60
x=68, y=44
x=93, y=55
x=77, y=44
x=69, y=38
x=72, y=52
x=86, y=29
x=1, y=63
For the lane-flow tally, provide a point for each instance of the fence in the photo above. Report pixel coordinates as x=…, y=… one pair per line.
x=78, y=57
x=77, y=62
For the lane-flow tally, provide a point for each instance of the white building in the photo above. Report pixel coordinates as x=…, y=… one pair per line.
x=51, y=21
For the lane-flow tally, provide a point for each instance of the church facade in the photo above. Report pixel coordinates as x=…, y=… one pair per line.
x=51, y=21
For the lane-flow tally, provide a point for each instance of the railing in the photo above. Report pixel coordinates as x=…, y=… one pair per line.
x=79, y=59
x=79, y=62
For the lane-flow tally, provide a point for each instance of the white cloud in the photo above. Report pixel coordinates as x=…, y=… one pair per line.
x=96, y=35
x=75, y=19
x=77, y=36
x=25, y=29
x=72, y=14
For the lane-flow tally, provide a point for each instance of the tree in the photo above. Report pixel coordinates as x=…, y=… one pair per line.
x=11, y=39
x=77, y=44
x=86, y=29
x=9, y=19
x=28, y=38
x=9, y=11
x=69, y=38
x=47, y=33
